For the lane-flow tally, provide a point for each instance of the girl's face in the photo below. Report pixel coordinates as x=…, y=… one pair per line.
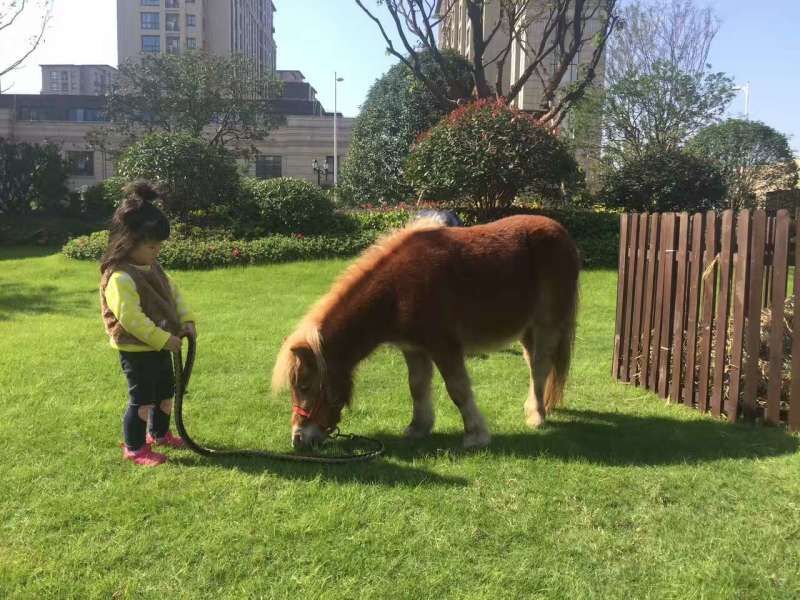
x=145, y=253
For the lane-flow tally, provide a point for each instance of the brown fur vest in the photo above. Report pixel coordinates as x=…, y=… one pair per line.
x=155, y=296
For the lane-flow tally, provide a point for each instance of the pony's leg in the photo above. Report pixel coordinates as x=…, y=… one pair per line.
x=540, y=346
x=456, y=379
x=420, y=375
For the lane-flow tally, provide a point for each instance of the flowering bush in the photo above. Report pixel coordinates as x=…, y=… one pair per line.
x=486, y=153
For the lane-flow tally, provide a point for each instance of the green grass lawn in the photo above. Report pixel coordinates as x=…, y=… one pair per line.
x=620, y=496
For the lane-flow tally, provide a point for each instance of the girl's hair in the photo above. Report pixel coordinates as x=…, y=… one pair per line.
x=136, y=220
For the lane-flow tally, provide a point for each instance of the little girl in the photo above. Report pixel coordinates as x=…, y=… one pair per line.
x=145, y=317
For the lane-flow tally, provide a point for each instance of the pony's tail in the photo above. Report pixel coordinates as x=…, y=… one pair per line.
x=557, y=379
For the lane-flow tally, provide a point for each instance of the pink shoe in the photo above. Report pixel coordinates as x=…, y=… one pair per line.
x=143, y=456
x=173, y=441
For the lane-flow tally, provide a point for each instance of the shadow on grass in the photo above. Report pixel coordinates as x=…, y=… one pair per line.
x=23, y=252
x=617, y=439
x=610, y=439
x=21, y=298
x=376, y=472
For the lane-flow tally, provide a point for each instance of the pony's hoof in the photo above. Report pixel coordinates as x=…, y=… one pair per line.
x=533, y=418
x=476, y=440
x=417, y=433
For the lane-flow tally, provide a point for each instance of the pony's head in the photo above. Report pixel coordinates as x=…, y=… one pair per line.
x=319, y=389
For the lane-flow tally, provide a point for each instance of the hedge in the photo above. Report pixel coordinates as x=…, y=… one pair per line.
x=596, y=234
x=182, y=253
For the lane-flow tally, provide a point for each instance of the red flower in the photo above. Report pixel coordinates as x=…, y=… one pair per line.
x=236, y=252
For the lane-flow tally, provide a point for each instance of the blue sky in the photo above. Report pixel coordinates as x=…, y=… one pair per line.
x=758, y=42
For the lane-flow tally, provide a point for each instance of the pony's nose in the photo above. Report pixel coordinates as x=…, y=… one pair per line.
x=297, y=441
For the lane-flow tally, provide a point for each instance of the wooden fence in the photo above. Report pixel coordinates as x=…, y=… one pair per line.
x=692, y=294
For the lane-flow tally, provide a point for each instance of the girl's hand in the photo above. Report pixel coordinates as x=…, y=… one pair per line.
x=189, y=330
x=173, y=344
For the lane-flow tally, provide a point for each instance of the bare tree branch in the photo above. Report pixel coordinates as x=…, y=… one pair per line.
x=34, y=42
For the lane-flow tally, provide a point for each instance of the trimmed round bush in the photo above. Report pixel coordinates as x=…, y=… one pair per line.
x=485, y=153
x=284, y=205
x=200, y=180
x=664, y=181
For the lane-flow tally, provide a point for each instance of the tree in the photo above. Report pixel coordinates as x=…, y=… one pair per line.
x=661, y=109
x=664, y=180
x=33, y=177
x=397, y=109
x=193, y=93
x=486, y=153
x=674, y=31
x=498, y=29
x=11, y=11
x=659, y=86
x=197, y=177
x=753, y=158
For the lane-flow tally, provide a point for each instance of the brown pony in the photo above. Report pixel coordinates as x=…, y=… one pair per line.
x=438, y=293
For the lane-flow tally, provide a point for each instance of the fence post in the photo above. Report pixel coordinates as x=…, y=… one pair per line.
x=739, y=307
x=649, y=297
x=636, y=333
x=721, y=317
x=780, y=272
x=696, y=260
x=630, y=282
x=709, y=283
x=794, y=401
x=623, y=253
x=752, y=377
x=679, y=323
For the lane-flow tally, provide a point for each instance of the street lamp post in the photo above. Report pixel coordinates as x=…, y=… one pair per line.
x=746, y=89
x=323, y=170
x=336, y=80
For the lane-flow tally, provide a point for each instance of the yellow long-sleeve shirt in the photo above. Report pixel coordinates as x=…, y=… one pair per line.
x=123, y=300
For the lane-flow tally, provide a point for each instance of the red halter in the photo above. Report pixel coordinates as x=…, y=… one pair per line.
x=309, y=414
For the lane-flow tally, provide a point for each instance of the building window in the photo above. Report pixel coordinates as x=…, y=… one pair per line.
x=53, y=75
x=151, y=43
x=268, y=167
x=173, y=45
x=191, y=20
x=55, y=86
x=81, y=164
x=151, y=2
x=151, y=20
x=191, y=43
x=173, y=4
x=173, y=22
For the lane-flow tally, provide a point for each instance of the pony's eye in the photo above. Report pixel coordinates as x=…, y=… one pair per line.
x=304, y=387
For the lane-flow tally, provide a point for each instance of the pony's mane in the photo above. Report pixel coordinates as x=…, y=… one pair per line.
x=307, y=333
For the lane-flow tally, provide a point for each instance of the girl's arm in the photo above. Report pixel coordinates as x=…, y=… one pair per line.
x=123, y=300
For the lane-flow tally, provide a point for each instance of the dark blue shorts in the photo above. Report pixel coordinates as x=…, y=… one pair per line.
x=150, y=377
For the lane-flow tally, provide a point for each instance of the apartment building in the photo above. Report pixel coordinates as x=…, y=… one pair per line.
x=220, y=27
x=77, y=80
x=65, y=120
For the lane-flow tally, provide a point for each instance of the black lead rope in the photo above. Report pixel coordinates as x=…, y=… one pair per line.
x=183, y=372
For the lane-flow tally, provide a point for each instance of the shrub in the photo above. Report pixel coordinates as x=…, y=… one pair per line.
x=595, y=233
x=486, y=153
x=33, y=178
x=752, y=157
x=182, y=253
x=283, y=205
x=101, y=199
x=664, y=180
x=199, y=179
x=397, y=109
